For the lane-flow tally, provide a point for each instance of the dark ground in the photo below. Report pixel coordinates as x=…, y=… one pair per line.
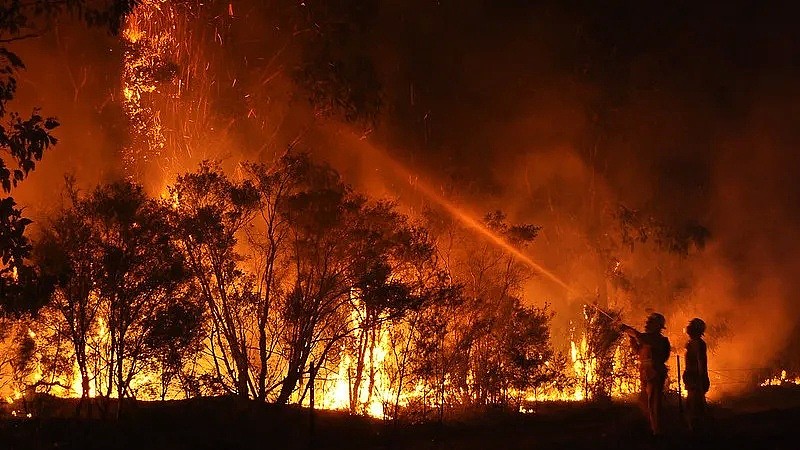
x=767, y=419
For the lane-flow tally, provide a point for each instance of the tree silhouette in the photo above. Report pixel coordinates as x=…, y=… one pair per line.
x=173, y=337
x=268, y=239
x=209, y=212
x=346, y=257
x=120, y=287
x=491, y=342
x=67, y=254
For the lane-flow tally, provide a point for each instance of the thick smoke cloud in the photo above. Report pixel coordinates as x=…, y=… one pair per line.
x=555, y=112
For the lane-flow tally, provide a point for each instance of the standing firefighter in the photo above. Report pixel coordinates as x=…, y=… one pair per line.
x=695, y=375
x=653, y=349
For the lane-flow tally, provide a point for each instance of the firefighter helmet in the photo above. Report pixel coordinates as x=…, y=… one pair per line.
x=696, y=327
x=656, y=322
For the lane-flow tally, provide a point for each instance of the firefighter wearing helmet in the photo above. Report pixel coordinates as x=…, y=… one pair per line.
x=695, y=376
x=653, y=349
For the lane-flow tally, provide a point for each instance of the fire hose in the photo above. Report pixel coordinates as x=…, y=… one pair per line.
x=600, y=310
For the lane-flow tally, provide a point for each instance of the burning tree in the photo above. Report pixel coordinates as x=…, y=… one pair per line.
x=116, y=272
x=321, y=266
x=140, y=273
x=605, y=363
x=403, y=280
x=67, y=254
x=490, y=345
x=24, y=138
x=209, y=210
x=18, y=359
x=174, y=341
x=347, y=259
x=413, y=337
x=268, y=239
x=529, y=359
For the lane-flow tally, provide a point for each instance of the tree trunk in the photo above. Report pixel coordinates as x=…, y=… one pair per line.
x=262, y=373
x=356, y=383
x=242, y=376
x=287, y=386
x=297, y=362
x=371, y=381
x=312, y=418
x=120, y=375
x=80, y=358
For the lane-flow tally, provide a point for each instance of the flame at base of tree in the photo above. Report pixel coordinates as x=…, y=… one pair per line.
x=367, y=376
x=379, y=392
x=782, y=379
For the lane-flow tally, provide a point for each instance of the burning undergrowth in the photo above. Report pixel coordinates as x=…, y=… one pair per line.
x=288, y=286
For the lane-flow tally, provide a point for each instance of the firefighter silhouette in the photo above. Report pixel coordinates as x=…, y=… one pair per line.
x=653, y=349
x=695, y=374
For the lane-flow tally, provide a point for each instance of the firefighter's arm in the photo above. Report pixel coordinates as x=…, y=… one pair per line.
x=635, y=336
x=629, y=330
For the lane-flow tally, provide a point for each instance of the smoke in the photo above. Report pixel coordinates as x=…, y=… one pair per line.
x=555, y=112
x=558, y=115
x=73, y=74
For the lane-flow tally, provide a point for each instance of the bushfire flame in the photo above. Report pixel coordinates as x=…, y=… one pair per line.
x=781, y=379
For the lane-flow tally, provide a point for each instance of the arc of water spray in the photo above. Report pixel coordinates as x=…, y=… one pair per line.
x=493, y=237
x=462, y=216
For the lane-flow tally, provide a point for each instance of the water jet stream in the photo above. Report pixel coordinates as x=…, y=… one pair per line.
x=400, y=170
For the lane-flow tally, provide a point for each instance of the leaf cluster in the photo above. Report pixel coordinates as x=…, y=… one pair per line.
x=637, y=227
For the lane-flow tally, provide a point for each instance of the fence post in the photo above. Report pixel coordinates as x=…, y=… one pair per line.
x=680, y=391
